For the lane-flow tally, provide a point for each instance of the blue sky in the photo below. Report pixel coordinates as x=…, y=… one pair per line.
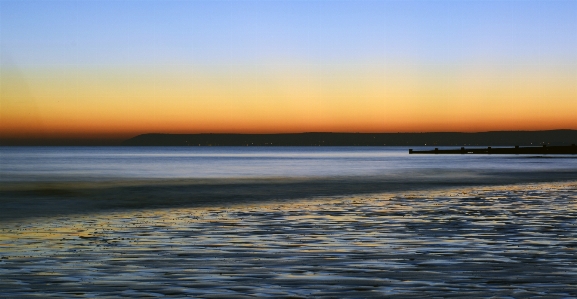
x=92, y=33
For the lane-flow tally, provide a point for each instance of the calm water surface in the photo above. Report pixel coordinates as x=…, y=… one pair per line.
x=47, y=180
x=284, y=222
x=105, y=163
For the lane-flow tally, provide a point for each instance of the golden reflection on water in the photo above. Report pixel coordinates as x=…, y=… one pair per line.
x=504, y=241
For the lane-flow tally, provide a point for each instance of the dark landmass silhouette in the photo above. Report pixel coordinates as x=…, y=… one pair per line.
x=496, y=138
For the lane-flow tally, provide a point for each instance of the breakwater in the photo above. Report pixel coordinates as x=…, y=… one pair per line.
x=517, y=150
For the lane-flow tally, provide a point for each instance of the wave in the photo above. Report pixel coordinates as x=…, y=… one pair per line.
x=48, y=198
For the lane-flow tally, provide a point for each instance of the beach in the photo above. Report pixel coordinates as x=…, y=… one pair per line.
x=514, y=240
x=288, y=149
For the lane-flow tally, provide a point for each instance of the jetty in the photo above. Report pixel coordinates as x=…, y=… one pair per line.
x=517, y=150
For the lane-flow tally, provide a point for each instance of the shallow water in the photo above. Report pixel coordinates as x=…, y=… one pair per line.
x=509, y=241
x=45, y=181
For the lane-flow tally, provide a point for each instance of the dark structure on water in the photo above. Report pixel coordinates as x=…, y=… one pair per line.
x=517, y=150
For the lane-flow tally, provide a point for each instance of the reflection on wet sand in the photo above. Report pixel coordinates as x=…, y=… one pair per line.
x=517, y=240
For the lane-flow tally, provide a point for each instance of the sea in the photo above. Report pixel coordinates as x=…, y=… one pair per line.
x=285, y=222
x=69, y=164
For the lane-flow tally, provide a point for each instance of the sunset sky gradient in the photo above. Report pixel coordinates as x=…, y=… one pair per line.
x=115, y=69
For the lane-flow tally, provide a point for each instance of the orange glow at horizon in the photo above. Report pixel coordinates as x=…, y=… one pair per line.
x=122, y=103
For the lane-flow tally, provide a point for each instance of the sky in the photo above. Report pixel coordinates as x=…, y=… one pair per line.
x=115, y=69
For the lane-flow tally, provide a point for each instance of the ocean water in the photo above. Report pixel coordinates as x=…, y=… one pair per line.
x=27, y=164
x=47, y=180
x=348, y=222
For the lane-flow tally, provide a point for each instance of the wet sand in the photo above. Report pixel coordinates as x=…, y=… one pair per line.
x=507, y=241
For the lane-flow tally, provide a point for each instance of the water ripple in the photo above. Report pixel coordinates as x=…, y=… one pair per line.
x=509, y=241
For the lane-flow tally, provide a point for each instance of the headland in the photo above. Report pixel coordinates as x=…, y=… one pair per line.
x=496, y=138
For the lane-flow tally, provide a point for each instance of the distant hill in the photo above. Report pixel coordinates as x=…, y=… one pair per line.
x=497, y=138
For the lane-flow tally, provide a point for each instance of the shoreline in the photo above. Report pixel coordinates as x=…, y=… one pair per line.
x=22, y=200
x=507, y=240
